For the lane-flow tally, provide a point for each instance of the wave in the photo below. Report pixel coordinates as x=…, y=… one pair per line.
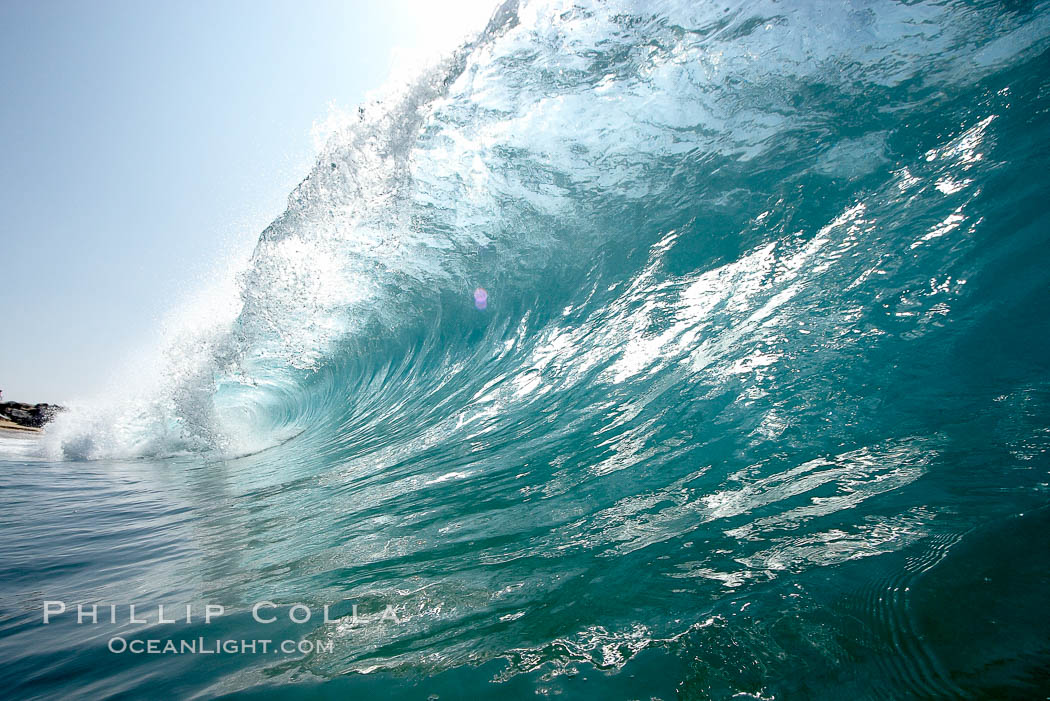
x=565, y=138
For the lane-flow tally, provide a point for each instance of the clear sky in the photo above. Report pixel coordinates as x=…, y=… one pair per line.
x=143, y=144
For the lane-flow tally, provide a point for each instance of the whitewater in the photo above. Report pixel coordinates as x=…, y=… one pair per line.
x=632, y=350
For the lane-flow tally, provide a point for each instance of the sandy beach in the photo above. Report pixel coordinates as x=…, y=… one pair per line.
x=10, y=428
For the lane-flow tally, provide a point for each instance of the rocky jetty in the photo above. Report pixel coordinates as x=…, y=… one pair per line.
x=28, y=415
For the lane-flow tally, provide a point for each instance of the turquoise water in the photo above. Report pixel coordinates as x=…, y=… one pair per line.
x=673, y=350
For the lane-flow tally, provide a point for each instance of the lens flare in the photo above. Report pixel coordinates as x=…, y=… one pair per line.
x=481, y=298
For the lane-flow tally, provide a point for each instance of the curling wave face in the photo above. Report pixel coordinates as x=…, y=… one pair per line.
x=703, y=328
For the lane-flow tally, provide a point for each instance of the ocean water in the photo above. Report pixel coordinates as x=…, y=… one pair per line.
x=636, y=350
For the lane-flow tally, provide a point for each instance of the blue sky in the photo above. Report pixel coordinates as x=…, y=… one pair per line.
x=145, y=143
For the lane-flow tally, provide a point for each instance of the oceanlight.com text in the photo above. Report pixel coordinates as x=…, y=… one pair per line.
x=214, y=646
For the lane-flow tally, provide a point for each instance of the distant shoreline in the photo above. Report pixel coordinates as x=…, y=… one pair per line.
x=8, y=428
x=31, y=418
